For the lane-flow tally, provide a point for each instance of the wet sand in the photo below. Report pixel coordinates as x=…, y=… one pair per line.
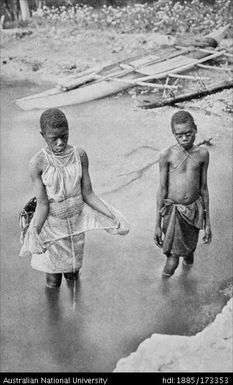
x=120, y=299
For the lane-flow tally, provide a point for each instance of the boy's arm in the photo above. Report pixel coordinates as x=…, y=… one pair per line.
x=161, y=195
x=87, y=192
x=205, y=197
x=42, y=206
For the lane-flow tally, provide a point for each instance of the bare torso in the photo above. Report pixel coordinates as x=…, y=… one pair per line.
x=184, y=174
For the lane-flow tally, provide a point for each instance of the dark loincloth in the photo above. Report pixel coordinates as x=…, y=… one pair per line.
x=181, y=225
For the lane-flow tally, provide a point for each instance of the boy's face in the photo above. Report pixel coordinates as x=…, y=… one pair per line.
x=56, y=138
x=185, y=134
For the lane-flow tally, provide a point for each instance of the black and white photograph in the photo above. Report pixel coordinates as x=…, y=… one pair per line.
x=116, y=191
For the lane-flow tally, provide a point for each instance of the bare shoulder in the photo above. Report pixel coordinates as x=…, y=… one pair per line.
x=167, y=153
x=202, y=153
x=83, y=157
x=36, y=164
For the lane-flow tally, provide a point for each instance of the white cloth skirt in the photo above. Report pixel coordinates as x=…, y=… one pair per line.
x=61, y=241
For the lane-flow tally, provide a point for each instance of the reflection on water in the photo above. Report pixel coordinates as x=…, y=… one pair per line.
x=62, y=327
x=53, y=299
x=53, y=305
x=179, y=295
x=186, y=282
x=73, y=287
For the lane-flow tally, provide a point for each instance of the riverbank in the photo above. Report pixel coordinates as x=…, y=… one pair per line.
x=209, y=351
x=65, y=53
x=62, y=53
x=130, y=147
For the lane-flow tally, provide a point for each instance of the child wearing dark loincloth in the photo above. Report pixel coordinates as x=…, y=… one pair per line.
x=183, y=197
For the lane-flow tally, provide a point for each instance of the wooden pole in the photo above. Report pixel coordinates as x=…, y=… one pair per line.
x=187, y=77
x=188, y=96
x=144, y=84
x=180, y=69
x=119, y=74
x=2, y=21
x=24, y=9
x=215, y=68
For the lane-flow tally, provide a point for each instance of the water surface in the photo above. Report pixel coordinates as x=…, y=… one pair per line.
x=120, y=298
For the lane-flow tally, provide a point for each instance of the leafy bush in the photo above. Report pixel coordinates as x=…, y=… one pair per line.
x=164, y=16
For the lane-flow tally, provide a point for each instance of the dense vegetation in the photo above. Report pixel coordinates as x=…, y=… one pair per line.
x=167, y=16
x=164, y=16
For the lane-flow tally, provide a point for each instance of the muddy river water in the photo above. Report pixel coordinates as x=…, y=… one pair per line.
x=120, y=298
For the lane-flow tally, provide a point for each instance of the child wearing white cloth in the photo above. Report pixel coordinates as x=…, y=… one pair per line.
x=66, y=205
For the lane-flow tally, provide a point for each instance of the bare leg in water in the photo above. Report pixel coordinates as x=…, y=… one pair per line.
x=170, y=266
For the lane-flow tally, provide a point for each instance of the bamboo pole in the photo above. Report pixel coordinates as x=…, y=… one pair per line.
x=204, y=50
x=69, y=82
x=214, y=68
x=66, y=84
x=159, y=60
x=187, y=77
x=165, y=86
x=180, y=69
x=144, y=84
x=143, y=81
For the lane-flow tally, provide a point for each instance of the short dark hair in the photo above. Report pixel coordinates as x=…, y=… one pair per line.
x=54, y=118
x=182, y=117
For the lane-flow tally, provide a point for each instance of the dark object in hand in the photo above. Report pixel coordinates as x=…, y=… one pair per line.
x=26, y=216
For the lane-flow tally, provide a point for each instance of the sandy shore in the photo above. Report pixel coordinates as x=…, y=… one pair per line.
x=62, y=54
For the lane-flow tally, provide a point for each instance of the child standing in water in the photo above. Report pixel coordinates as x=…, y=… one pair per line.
x=183, y=197
x=66, y=204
